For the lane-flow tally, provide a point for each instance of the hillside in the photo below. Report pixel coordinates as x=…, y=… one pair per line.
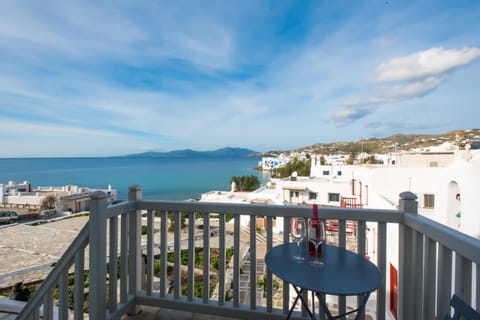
x=392, y=143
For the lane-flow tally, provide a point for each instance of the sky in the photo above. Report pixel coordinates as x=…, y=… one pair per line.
x=101, y=78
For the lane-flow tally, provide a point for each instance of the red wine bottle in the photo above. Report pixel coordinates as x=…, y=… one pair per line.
x=314, y=229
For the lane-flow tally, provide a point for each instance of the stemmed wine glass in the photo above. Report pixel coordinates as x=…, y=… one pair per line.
x=316, y=238
x=298, y=232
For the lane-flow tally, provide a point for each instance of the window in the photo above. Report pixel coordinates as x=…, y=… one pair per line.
x=339, y=173
x=312, y=196
x=433, y=164
x=294, y=194
x=326, y=172
x=429, y=201
x=334, y=197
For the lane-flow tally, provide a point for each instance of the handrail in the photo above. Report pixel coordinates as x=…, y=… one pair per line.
x=467, y=246
x=373, y=215
x=125, y=246
x=65, y=262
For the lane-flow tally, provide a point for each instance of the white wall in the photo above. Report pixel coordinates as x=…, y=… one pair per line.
x=34, y=200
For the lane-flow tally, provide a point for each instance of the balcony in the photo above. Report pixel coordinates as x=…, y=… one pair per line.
x=132, y=261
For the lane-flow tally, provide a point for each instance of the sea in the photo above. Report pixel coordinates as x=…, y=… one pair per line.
x=159, y=178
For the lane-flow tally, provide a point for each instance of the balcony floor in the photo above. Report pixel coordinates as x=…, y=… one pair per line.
x=150, y=313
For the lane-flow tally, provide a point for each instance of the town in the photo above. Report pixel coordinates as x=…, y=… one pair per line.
x=444, y=179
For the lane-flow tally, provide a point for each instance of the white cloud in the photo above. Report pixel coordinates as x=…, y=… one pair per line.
x=414, y=76
x=409, y=90
x=431, y=62
x=144, y=36
x=161, y=75
x=357, y=109
x=351, y=113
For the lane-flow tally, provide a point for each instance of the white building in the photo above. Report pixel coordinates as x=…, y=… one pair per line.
x=446, y=184
x=68, y=198
x=273, y=163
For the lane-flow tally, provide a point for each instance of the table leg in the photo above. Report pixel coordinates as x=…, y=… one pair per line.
x=362, y=305
x=305, y=304
x=323, y=305
x=313, y=304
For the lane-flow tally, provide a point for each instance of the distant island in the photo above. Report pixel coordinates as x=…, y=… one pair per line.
x=228, y=152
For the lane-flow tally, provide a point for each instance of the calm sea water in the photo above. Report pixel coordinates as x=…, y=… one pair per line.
x=162, y=179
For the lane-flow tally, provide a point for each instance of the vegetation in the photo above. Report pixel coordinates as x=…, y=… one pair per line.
x=323, y=161
x=370, y=160
x=351, y=158
x=246, y=183
x=214, y=258
x=71, y=284
x=49, y=202
x=183, y=219
x=198, y=286
x=262, y=282
x=300, y=166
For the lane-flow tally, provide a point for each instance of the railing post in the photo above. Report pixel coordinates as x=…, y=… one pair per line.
x=97, y=255
x=134, y=248
x=407, y=204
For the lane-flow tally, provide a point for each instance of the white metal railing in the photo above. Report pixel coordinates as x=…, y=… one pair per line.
x=127, y=270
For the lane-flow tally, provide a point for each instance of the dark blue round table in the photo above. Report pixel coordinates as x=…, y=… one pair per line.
x=344, y=273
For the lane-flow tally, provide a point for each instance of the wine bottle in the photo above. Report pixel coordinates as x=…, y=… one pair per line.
x=314, y=229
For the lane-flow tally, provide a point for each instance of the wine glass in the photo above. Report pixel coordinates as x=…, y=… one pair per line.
x=316, y=239
x=298, y=232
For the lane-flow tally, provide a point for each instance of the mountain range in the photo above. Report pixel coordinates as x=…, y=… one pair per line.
x=369, y=145
x=227, y=152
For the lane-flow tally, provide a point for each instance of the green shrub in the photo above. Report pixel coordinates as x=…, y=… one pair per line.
x=302, y=167
x=246, y=183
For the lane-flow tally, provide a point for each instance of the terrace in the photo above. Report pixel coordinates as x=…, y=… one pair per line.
x=128, y=271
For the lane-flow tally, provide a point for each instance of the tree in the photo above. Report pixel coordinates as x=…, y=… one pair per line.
x=49, y=202
x=371, y=160
x=302, y=167
x=246, y=183
x=323, y=161
x=351, y=158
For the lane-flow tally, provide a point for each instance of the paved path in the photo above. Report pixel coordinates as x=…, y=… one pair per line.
x=28, y=252
x=7, y=316
x=150, y=313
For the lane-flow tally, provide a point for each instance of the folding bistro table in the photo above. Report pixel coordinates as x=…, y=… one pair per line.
x=344, y=273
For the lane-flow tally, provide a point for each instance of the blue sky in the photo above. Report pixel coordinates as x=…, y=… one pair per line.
x=94, y=78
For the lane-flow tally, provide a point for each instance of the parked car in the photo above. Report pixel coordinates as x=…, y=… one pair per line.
x=8, y=216
x=48, y=213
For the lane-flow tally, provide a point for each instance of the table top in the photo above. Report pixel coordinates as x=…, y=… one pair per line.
x=343, y=273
